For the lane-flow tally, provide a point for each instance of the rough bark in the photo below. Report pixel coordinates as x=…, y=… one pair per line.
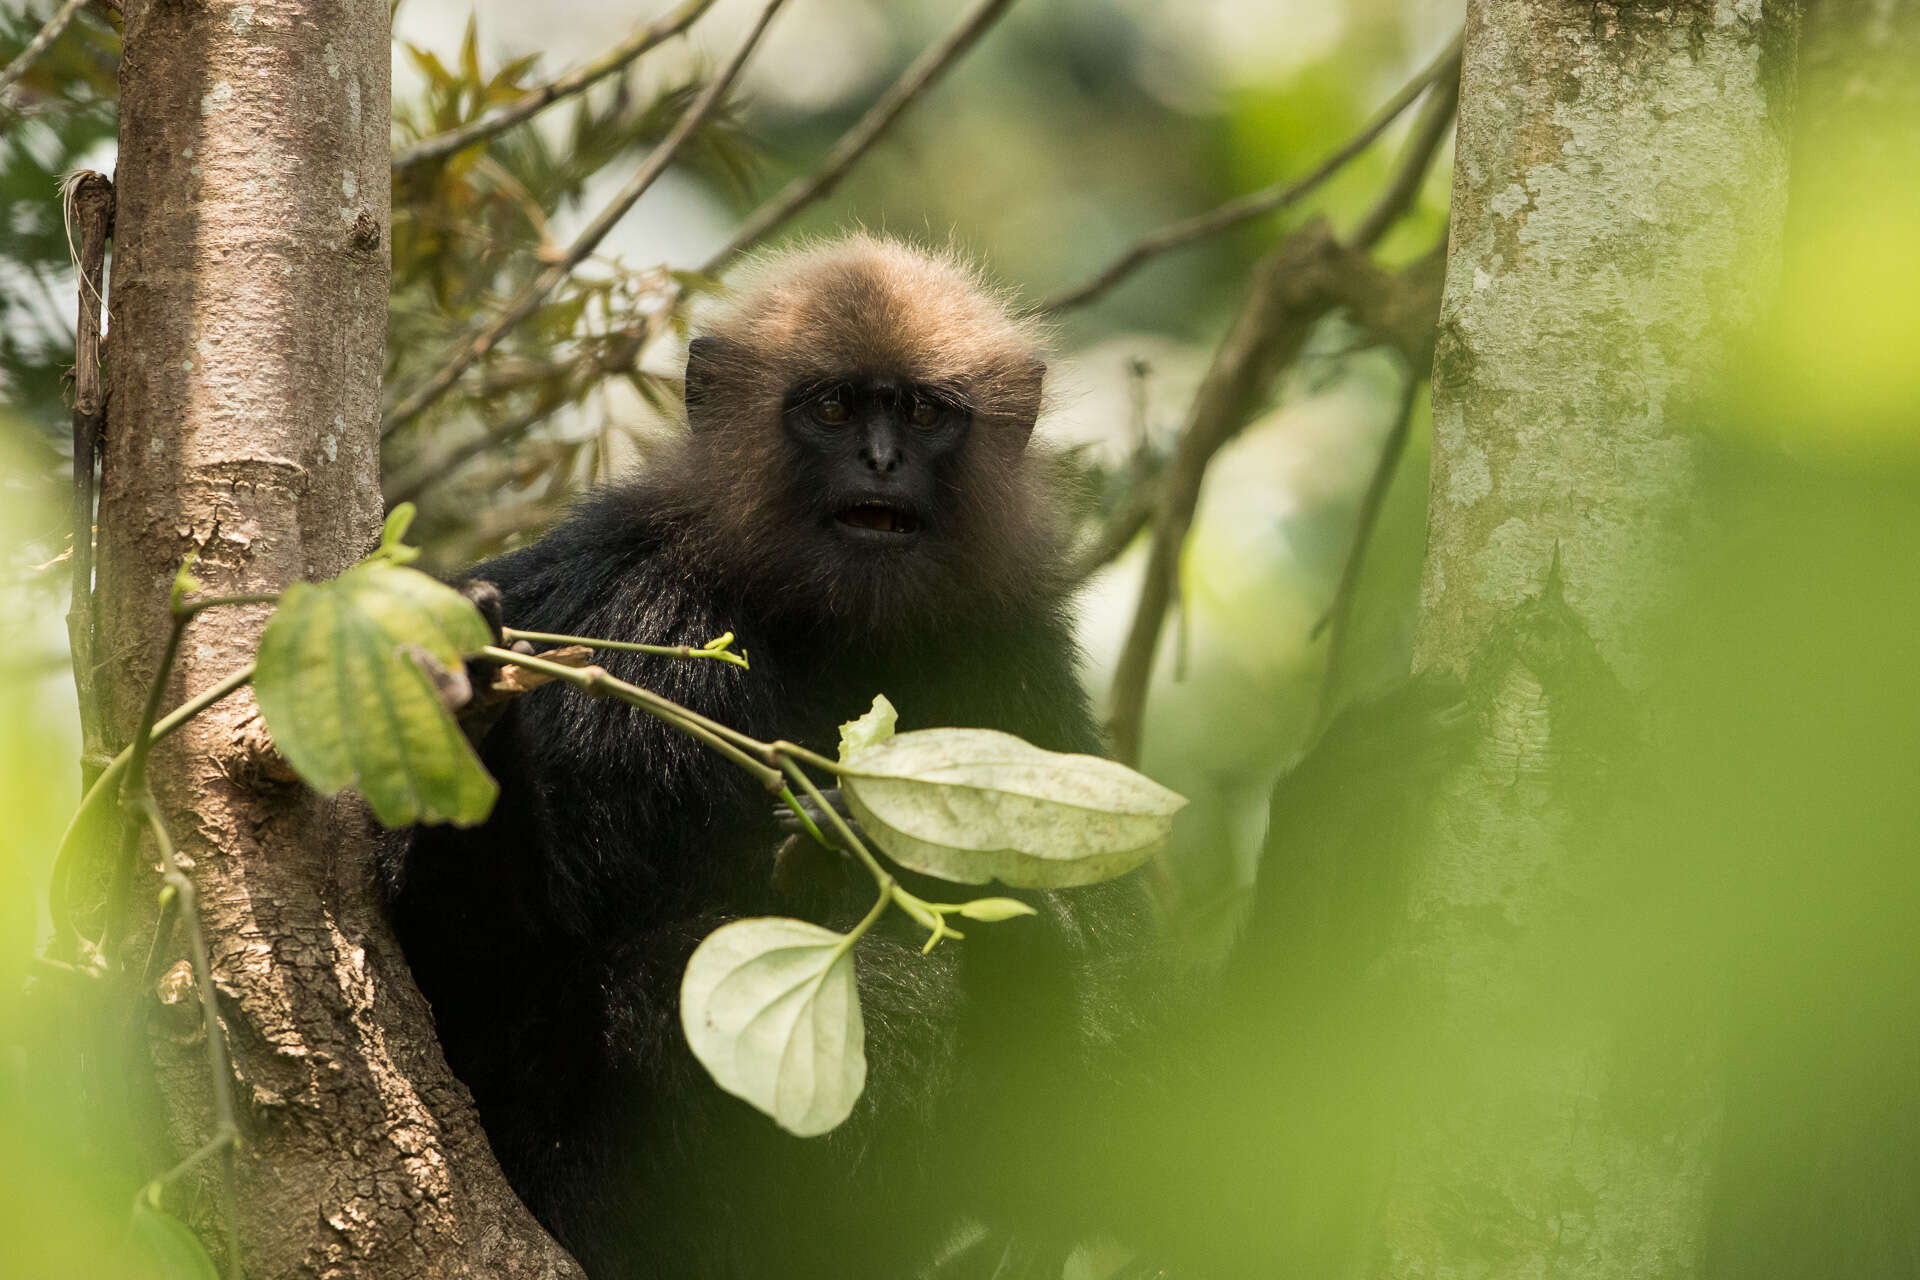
x=248, y=307
x=1618, y=199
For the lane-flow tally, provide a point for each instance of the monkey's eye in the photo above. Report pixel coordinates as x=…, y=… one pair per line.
x=831, y=407
x=925, y=412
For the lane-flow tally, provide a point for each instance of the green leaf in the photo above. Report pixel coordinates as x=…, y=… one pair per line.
x=392, y=533
x=974, y=805
x=771, y=1011
x=166, y=1240
x=339, y=680
x=869, y=730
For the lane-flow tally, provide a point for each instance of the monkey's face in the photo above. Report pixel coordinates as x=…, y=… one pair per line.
x=858, y=447
x=874, y=455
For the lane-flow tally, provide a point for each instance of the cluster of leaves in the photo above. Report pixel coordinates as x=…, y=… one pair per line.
x=351, y=678
x=471, y=228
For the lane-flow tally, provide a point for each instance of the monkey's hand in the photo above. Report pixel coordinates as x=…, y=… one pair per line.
x=790, y=824
x=483, y=706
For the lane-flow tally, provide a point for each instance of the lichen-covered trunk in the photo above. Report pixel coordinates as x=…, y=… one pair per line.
x=1618, y=200
x=248, y=307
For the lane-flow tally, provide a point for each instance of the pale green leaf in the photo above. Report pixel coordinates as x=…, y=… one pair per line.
x=348, y=704
x=974, y=805
x=870, y=729
x=175, y=1251
x=770, y=1009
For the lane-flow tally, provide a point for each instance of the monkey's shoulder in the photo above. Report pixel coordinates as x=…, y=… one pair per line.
x=614, y=568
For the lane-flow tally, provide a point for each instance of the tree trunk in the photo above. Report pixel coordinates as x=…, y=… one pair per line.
x=1618, y=201
x=248, y=307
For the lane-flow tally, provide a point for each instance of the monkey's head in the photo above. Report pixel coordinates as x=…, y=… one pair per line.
x=858, y=448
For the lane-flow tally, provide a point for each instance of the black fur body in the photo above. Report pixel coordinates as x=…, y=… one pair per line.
x=898, y=540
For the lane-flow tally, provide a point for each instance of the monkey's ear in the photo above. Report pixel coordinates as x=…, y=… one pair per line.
x=705, y=358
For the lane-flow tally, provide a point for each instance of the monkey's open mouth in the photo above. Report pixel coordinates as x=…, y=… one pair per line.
x=879, y=518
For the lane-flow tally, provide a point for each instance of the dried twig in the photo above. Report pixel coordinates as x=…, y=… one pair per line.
x=38, y=45
x=924, y=72
x=500, y=119
x=1445, y=68
x=88, y=200
x=529, y=298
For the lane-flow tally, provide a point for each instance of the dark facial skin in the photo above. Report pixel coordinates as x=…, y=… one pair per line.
x=872, y=452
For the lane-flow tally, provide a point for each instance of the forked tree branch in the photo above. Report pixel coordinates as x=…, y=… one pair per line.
x=922, y=74
x=528, y=300
x=582, y=77
x=1307, y=276
x=1443, y=70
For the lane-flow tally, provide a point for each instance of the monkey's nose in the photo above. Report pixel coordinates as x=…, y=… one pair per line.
x=879, y=453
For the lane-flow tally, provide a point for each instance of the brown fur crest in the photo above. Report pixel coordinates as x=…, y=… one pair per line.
x=864, y=305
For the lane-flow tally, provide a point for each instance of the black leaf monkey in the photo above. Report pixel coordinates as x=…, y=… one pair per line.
x=856, y=500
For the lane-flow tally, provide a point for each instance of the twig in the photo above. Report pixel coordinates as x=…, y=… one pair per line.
x=135, y=782
x=88, y=198
x=529, y=298
x=1337, y=622
x=1430, y=129
x=720, y=648
x=131, y=764
x=923, y=73
x=38, y=45
x=500, y=119
x=730, y=743
x=1259, y=203
x=105, y=786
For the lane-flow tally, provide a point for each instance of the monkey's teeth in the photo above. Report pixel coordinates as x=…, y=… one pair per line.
x=882, y=519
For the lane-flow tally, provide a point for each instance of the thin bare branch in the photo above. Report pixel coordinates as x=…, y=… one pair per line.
x=1430, y=129
x=529, y=298
x=582, y=77
x=1259, y=203
x=924, y=72
x=39, y=44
